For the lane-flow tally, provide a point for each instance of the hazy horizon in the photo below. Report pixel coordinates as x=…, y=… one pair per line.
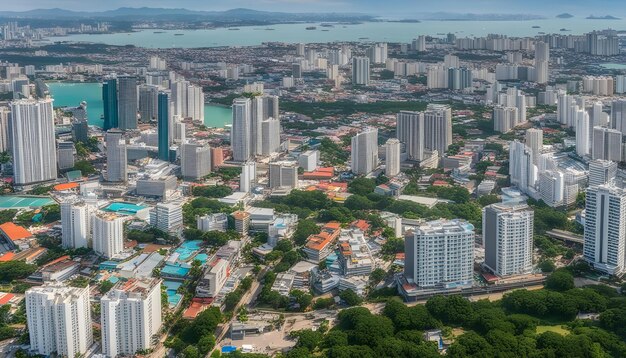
x=372, y=7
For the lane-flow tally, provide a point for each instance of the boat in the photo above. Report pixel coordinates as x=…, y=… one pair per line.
x=363, y=38
x=541, y=33
x=178, y=34
x=158, y=32
x=311, y=28
x=324, y=30
x=536, y=27
x=269, y=29
x=564, y=29
x=233, y=29
x=327, y=25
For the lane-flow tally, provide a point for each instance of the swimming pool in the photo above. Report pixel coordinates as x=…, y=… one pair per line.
x=187, y=249
x=124, y=208
x=22, y=202
x=172, y=297
x=202, y=258
x=174, y=270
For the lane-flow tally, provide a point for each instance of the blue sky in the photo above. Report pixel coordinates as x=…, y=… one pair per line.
x=380, y=7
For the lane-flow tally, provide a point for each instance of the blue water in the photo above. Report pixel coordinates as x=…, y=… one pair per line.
x=124, y=208
x=16, y=202
x=175, y=270
x=172, y=297
x=67, y=94
x=367, y=31
x=187, y=249
x=202, y=258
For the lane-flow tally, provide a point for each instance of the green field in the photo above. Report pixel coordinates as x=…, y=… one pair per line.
x=556, y=329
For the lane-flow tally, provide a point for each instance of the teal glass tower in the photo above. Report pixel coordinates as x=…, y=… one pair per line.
x=163, y=125
x=109, y=99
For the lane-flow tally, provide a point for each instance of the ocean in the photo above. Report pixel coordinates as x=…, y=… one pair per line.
x=71, y=94
x=367, y=31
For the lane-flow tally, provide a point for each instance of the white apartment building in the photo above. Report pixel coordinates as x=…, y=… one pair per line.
x=392, y=157
x=605, y=229
x=59, y=319
x=508, y=239
x=167, y=216
x=212, y=222
x=108, y=234
x=602, y=172
x=76, y=219
x=215, y=275
x=440, y=254
x=365, y=151
x=33, y=141
x=130, y=316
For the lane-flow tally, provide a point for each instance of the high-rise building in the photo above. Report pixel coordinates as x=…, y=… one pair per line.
x=283, y=175
x=117, y=167
x=602, y=172
x=108, y=234
x=419, y=44
x=33, y=141
x=248, y=177
x=109, y=99
x=508, y=238
x=618, y=115
x=551, y=187
x=217, y=157
x=504, y=118
x=605, y=229
x=59, y=319
x=360, y=71
x=308, y=160
x=607, y=144
x=195, y=161
x=392, y=157
x=163, y=126
x=130, y=316
x=521, y=168
x=296, y=70
x=440, y=254
x=438, y=127
x=534, y=141
x=148, y=105
x=459, y=78
x=410, y=131
x=365, y=151
x=240, y=132
x=270, y=135
x=127, y=102
x=5, y=134
x=542, y=58
x=583, y=145
x=167, y=216
x=80, y=125
x=76, y=224
x=65, y=155
x=377, y=53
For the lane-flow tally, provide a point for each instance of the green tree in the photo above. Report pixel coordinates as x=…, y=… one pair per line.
x=85, y=167
x=350, y=297
x=361, y=186
x=560, y=280
x=304, y=229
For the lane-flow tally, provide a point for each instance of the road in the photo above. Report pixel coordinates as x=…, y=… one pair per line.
x=247, y=299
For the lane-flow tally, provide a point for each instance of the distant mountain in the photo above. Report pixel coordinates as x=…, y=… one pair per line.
x=605, y=17
x=177, y=14
x=451, y=16
x=564, y=16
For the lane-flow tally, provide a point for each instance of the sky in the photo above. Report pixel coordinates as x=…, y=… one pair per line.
x=375, y=7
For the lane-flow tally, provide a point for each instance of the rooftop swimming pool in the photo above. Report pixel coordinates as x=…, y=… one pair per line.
x=172, y=297
x=21, y=202
x=124, y=208
x=202, y=258
x=174, y=270
x=187, y=249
